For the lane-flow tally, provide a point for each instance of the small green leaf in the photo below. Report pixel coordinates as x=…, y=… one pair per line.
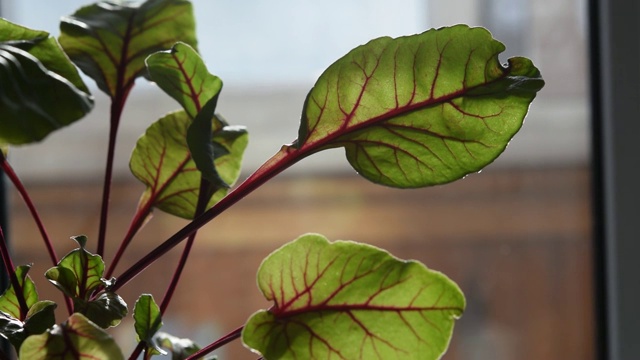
x=8, y=300
x=77, y=338
x=180, y=348
x=109, y=41
x=107, y=310
x=148, y=321
x=420, y=110
x=162, y=161
x=183, y=75
x=40, y=92
x=79, y=272
x=346, y=300
x=41, y=317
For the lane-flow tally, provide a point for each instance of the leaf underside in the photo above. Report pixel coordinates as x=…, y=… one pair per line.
x=345, y=300
x=420, y=110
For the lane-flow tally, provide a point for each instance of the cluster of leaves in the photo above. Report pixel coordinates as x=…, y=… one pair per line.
x=410, y=112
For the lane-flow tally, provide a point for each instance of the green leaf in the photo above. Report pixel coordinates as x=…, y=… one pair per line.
x=12, y=329
x=162, y=161
x=420, y=110
x=77, y=338
x=180, y=348
x=110, y=41
x=64, y=279
x=9, y=301
x=183, y=75
x=40, y=318
x=346, y=300
x=148, y=320
x=106, y=310
x=42, y=90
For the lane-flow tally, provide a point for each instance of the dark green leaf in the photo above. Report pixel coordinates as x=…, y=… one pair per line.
x=346, y=300
x=9, y=302
x=77, y=338
x=201, y=145
x=420, y=110
x=107, y=310
x=12, y=329
x=110, y=41
x=41, y=317
x=180, y=348
x=34, y=100
x=148, y=321
x=162, y=161
x=64, y=279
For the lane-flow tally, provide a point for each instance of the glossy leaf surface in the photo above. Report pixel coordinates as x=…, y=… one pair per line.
x=109, y=41
x=182, y=74
x=106, y=310
x=42, y=90
x=77, y=338
x=345, y=300
x=180, y=348
x=147, y=322
x=420, y=110
x=162, y=161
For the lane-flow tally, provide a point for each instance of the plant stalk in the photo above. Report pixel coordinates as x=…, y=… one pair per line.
x=10, y=269
x=235, y=334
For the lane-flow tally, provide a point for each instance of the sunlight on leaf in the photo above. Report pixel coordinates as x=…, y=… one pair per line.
x=110, y=41
x=9, y=301
x=77, y=338
x=148, y=320
x=346, y=300
x=420, y=110
x=162, y=161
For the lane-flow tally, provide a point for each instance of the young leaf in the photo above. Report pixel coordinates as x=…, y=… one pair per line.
x=182, y=74
x=107, y=310
x=78, y=272
x=9, y=302
x=420, y=110
x=346, y=300
x=162, y=161
x=180, y=348
x=40, y=318
x=42, y=90
x=148, y=321
x=109, y=41
x=77, y=338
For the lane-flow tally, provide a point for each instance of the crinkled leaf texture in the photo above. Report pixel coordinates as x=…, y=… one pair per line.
x=109, y=41
x=162, y=161
x=420, y=110
x=42, y=90
x=77, y=338
x=345, y=300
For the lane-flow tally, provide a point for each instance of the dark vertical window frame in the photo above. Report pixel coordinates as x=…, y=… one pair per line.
x=615, y=58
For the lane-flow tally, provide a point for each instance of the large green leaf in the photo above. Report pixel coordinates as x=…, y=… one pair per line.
x=162, y=161
x=345, y=300
x=41, y=89
x=77, y=338
x=420, y=110
x=109, y=41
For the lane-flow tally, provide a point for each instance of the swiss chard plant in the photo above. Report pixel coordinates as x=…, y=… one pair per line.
x=410, y=112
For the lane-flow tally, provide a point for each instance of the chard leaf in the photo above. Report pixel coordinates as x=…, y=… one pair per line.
x=346, y=300
x=77, y=338
x=162, y=161
x=8, y=300
x=109, y=41
x=40, y=318
x=419, y=110
x=107, y=310
x=148, y=320
x=182, y=74
x=42, y=90
x=79, y=272
x=180, y=348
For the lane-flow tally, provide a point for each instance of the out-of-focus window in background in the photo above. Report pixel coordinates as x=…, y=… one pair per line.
x=516, y=238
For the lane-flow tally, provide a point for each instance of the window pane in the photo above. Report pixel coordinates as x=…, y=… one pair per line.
x=516, y=238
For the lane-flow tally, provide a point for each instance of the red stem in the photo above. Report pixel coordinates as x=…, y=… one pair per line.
x=10, y=269
x=203, y=199
x=278, y=163
x=217, y=344
x=32, y=209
